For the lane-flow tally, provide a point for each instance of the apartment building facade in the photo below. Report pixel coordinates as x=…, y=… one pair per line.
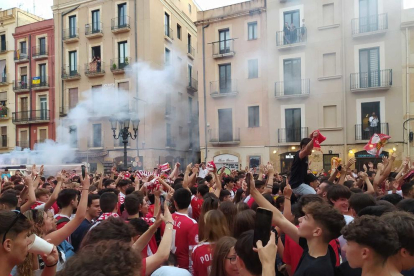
x=160, y=35
x=330, y=65
x=33, y=84
x=10, y=19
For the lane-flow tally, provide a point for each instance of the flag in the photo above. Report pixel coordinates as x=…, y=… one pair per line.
x=36, y=80
x=211, y=166
x=318, y=140
x=165, y=167
x=376, y=144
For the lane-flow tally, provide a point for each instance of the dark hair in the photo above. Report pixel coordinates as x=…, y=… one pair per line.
x=268, y=197
x=7, y=218
x=229, y=210
x=140, y=225
x=108, y=182
x=356, y=190
x=377, y=211
x=108, y=190
x=208, y=178
x=211, y=202
x=392, y=198
x=92, y=197
x=193, y=190
x=360, y=201
x=275, y=189
x=123, y=182
x=279, y=201
x=66, y=196
x=178, y=181
x=132, y=204
x=297, y=208
x=330, y=220
x=102, y=258
x=241, y=206
x=406, y=188
x=9, y=199
x=129, y=190
x=336, y=192
x=373, y=232
x=221, y=250
x=349, y=183
x=109, y=229
x=259, y=183
x=203, y=189
x=223, y=194
x=403, y=224
x=182, y=198
x=238, y=195
x=245, y=220
x=108, y=202
x=244, y=250
x=406, y=205
x=304, y=142
x=370, y=173
x=228, y=180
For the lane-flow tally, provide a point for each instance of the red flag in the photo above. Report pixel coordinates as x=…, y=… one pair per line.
x=318, y=140
x=376, y=144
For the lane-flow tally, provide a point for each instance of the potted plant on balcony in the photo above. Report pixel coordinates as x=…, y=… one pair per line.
x=3, y=111
x=114, y=66
x=126, y=61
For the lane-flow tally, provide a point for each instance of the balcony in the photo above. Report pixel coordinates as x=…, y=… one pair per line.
x=93, y=30
x=41, y=83
x=192, y=85
x=95, y=144
x=290, y=39
x=290, y=89
x=170, y=143
x=39, y=52
x=21, y=55
x=70, y=35
x=223, y=48
x=120, y=24
x=3, y=47
x=190, y=52
x=364, y=132
x=20, y=86
x=70, y=72
x=31, y=116
x=95, y=69
x=118, y=65
x=291, y=135
x=225, y=136
x=374, y=80
x=4, y=113
x=226, y=88
x=4, y=142
x=23, y=144
x=3, y=81
x=170, y=112
x=371, y=25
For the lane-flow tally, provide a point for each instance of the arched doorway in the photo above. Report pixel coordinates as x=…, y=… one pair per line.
x=119, y=162
x=228, y=160
x=363, y=157
x=286, y=160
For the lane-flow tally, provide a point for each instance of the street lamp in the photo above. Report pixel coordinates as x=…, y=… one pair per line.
x=124, y=133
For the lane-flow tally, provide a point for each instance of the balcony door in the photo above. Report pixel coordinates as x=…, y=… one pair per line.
x=4, y=75
x=24, y=109
x=122, y=20
x=24, y=141
x=42, y=46
x=23, y=49
x=42, y=74
x=224, y=44
x=190, y=75
x=225, y=78
x=367, y=110
x=167, y=24
x=122, y=49
x=293, y=125
x=292, y=76
x=43, y=108
x=73, y=63
x=3, y=43
x=369, y=68
x=42, y=135
x=72, y=26
x=4, y=136
x=368, y=16
x=96, y=19
x=225, y=125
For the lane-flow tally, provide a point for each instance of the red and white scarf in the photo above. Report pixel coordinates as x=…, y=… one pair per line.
x=105, y=216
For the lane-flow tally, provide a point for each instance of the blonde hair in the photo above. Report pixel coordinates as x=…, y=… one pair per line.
x=215, y=226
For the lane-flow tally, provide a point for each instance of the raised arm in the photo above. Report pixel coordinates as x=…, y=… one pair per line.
x=55, y=193
x=219, y=186
x=307, y=150
x=186, y=182
x=31, y=198
x=174, y=173
x=287, y=210
x=60, y=235
x=344, y=171
x=145, y=238
x=370, y=187
x=278, y=219
x=270, y=176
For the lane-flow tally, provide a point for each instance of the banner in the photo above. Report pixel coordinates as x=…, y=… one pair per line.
x=36, y=80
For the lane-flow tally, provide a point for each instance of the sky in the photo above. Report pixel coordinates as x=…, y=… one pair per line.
x=43, y=7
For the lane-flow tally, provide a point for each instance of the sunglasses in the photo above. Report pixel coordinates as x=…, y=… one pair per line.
x=18, y=215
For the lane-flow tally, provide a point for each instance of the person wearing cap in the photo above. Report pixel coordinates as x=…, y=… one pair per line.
x=312, y=180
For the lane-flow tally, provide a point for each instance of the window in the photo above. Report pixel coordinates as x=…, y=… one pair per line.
x=73, y=136
x=123, y=101
x=369, y=67
x=168, y=135
x=190, y=74
x=254, y=161
x=73, y=97
x=122, y=58
x=23, y=49
x=42, y=74
x=328, y=14
x=329, y=64
x=252, y=30
x=73, y=63
x=293, y=125
x=253, y=69
x=43, y=108
x=225, y=78
x=96, y=21
x=369, y=110
x=189, y=8
x=122, y=17
x=178, y=31
x=72, y=26
x=368, y=16
x=225, y=120
x=23, y=77
x=190, y=109
x=292, y=21
x=224, y=38
x=327, y=161
x=42, y=135
x=189, y=44
x=97, y=135
x=329, y=116
x=3, y=98
x=167, y=24
x=3, y=43
x=167, y=57
x=3, y=75
x=254, y=116
x=4, y=136
x=292, y=76
x=42, y=46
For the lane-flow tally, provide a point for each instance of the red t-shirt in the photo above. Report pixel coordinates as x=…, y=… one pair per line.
x=196, y=204
x=185, y=237
x=202, y=257
x=293, y=252
x=63, y=223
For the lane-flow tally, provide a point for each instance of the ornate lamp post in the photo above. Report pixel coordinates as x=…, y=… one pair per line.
x=124, y=133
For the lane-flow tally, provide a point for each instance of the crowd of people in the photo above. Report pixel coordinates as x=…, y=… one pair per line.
x=196, y=220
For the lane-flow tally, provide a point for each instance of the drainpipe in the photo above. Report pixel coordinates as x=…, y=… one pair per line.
x=30, y=85
x=205, y=98
x=407, y=87
x=344, y=111
x=136, y=60
x=63, y=83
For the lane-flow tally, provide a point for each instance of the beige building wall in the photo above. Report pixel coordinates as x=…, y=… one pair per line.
x=10, y=19
x=152, y=107
x=243, y=141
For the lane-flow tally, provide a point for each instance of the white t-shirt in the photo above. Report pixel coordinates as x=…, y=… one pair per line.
x=373, y=121
x=203, y=173
x=342, y=241
x=170, y=270
x=398, y=192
